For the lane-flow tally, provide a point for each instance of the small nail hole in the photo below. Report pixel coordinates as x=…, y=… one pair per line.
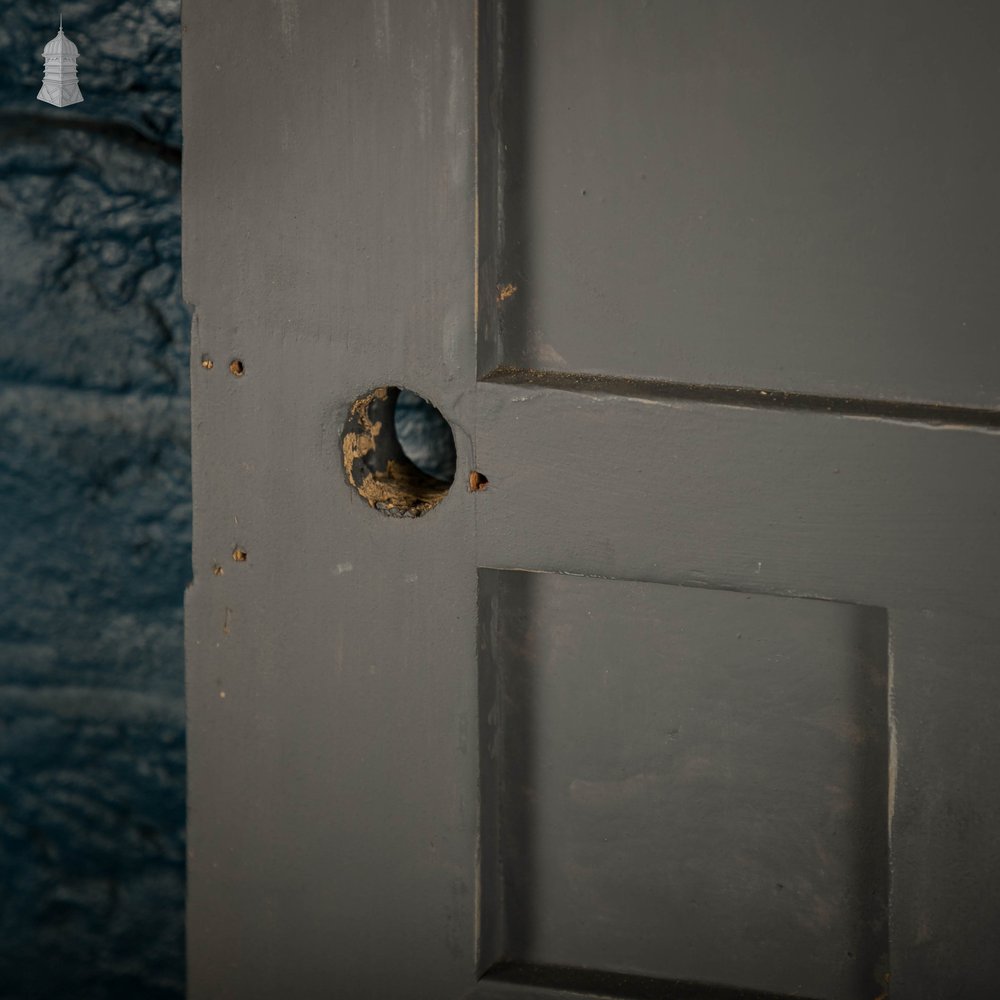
x=239, y=555
x=217, y=570
x=236, y=367
x=207, y=362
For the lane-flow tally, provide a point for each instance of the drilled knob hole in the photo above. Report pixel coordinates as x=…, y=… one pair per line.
x=399, y=451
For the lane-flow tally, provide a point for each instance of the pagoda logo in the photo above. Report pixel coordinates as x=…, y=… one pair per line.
x=59, y=86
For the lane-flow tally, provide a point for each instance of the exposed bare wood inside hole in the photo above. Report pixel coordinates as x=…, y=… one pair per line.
x=399, y=451
x=236, y=367
x=239, y=554
x=477, y=482
x=207, y=362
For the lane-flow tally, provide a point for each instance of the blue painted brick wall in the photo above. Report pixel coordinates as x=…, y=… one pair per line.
x=94, y=508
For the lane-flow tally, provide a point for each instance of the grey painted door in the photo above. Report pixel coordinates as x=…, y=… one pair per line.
x=695, y=694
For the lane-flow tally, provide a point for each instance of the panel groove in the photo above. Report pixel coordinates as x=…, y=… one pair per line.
x=591, y=982
x=755, y=398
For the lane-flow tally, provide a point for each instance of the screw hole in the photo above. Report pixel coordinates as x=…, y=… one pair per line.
x=236, y=367
x=207, y=362
x=477, y=482
x=239, y=554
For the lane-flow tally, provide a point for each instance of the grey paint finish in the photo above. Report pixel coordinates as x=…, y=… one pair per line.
x=691, y=784
x=945, y=852
x=328, y=200
x=786, y=194
x=340, y=838
x=877, y=512
x=901, y=515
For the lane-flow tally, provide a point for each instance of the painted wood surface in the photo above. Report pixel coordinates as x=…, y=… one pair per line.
x=785, y=194
x=329, y=225
x=383, y=711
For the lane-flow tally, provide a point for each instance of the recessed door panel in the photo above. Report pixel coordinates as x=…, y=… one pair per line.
x=782, y=194
x=686, y=784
